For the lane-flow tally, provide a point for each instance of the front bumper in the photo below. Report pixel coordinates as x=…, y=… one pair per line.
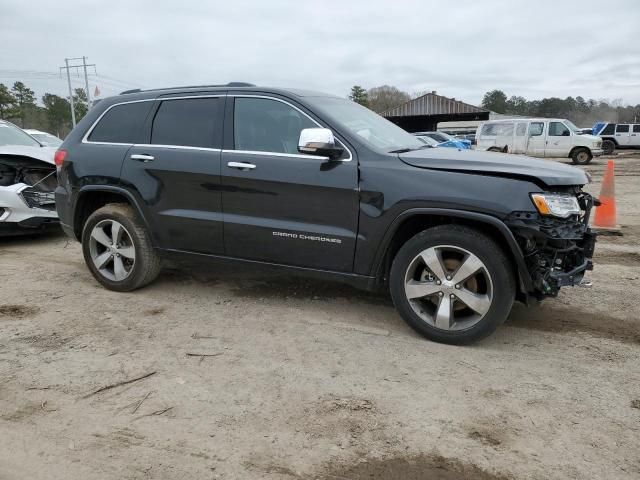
x=597, y=152
x=557, y=251
x=21, y=206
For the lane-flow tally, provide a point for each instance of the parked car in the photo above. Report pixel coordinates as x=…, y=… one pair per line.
x=445, y=140
x=618, y=135
x=27, y=182
x=322, y=186
x=428, y=140
x=44, y=138
x=538, y=137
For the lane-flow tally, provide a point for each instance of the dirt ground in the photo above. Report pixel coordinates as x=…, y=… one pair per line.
x=250, y=375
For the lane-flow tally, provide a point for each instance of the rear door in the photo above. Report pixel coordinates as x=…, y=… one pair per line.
x=176, y=173
x=634, y=139
x=623, y=137
x=281, y=206
x=536, y=143
x=559, y=140
x=520, y=138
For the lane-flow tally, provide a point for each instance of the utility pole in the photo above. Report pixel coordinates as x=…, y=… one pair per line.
x=68, y=68
x=73, y=110
x=86, y=80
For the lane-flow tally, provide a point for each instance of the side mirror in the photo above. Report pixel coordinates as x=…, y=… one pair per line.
x=319, y=141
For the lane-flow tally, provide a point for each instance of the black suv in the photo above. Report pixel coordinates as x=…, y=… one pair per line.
x=325, y=187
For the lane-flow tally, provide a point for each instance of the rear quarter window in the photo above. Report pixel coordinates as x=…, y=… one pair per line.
x=121, y=123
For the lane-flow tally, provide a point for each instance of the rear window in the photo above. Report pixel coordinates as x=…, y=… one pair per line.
x=521, y=130
x=189, y=122
x=489, y=129
x=636, y=129
x=121, y=124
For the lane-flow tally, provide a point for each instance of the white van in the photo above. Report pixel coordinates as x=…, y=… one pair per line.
x=538, y=137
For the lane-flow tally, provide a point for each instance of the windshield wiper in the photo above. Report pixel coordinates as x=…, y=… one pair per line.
x=407, y=149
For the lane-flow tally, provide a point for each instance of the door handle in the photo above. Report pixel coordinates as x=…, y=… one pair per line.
x=241, y=165
x=142, y=157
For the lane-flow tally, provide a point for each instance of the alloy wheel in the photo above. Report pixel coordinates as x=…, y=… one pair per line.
x=448, y=287
x=112, y=250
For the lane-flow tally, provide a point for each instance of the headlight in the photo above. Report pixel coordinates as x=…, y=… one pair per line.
x=597, y=144
x=556, y=204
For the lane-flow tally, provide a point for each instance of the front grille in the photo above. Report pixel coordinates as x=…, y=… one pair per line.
x=36, y=199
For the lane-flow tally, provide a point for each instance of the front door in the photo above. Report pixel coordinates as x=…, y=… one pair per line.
x=536, y=143
x=559, y=140
x=622, y=134
x=281, y=206
x=176, y=175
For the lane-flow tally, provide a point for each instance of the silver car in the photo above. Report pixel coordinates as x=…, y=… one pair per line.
x=27, y=182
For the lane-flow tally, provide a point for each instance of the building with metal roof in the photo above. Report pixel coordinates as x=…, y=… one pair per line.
x=424, y=113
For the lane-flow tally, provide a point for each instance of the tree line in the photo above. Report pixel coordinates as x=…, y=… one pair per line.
x=19, y=105
x=580, y=111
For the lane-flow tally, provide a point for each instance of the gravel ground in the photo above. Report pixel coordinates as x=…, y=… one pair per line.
x=250, y=375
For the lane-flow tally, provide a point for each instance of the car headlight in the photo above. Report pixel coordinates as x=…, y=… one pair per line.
x=597, y=144
x=556, y=204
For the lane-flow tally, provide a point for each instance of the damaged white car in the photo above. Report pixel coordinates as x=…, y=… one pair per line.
x=27, y=182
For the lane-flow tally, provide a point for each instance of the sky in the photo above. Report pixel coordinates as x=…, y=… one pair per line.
x=461, y=49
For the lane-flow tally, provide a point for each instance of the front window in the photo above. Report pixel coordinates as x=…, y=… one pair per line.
x=558, y=129
x=264, y=125
x=372, y=129
x=12, y=135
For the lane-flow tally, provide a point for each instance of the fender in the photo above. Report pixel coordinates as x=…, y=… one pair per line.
x=515, y=250
x=113, y=189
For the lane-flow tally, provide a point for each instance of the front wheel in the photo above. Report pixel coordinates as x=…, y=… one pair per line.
x=452, y=284
x=581, y=156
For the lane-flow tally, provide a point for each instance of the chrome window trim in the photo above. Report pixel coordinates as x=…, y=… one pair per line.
x=186, y=97
x=278, y=154
x=175, y=147
x=293, y=155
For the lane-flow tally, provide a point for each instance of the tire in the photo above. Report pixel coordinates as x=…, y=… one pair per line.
x=495, y=149
x=129, y=264
x=493, y=283
x=608, y=146
x=581, y=156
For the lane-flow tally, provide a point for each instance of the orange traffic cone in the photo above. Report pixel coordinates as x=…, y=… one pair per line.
x=605, y=218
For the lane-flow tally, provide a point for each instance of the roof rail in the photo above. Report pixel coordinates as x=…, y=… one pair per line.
x=230, y=84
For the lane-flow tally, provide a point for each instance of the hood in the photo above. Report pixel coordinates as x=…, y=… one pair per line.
x=39, y=153
x=499, y=164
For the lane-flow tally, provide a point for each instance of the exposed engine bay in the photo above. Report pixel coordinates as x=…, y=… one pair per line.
x=38, y=176
x=557, y=251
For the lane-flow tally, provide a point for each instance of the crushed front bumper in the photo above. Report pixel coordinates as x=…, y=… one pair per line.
x=22, y=208
x=557, y=251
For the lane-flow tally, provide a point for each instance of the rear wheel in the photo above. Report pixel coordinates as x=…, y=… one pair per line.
x=117, y=249
x=581, y=156
x=608, y=146
x=452, y=284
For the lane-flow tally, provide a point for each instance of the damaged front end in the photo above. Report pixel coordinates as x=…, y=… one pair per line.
x=27, y=192
x=557, y=251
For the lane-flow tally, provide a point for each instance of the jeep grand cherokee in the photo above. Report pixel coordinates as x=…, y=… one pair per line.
x=322, y=186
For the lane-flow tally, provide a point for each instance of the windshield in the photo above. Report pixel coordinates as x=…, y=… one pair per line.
x=47, y=139
x=11, y=135
x=367, y=125
x=572, y=127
